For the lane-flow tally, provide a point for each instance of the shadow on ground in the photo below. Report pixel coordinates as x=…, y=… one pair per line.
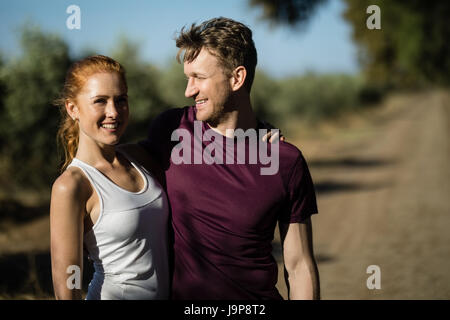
x=15, y=212
x=349, y=163
x=29, y=274
x=329, y=186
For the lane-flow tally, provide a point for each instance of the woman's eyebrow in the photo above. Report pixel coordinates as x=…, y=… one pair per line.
x=99, y=96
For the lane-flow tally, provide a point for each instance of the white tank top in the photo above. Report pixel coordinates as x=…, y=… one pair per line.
x=128, y=243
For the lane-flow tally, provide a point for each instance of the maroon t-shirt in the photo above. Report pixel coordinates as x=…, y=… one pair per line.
x=224, y=215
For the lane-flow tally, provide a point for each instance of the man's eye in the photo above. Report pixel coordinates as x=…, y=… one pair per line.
x=100, y=101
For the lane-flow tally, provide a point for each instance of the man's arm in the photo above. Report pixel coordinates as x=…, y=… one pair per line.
x=301, y=273
x=158, y=142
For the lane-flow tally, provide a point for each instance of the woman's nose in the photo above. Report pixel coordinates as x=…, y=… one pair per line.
x=111, y=109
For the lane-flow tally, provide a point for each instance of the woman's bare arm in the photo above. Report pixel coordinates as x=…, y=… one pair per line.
x=67, y=211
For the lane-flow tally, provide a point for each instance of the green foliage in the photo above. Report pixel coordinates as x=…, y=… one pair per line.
x=144, y=94
x=172, y=85
x=294, y=13
x=31, y=84
x=2, y=99
x=3, y=120
x=410, y=49
x=316, y=96
x=264, y=93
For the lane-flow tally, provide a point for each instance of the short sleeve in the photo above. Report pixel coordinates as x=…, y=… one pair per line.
x=301, y=196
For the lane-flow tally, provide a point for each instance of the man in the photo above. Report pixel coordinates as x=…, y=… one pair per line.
x=224, y=213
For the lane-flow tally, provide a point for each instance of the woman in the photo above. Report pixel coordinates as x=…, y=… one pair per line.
x=105, y=200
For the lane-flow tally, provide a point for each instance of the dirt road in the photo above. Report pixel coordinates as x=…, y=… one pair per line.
x=383, y=188
x=383, y=184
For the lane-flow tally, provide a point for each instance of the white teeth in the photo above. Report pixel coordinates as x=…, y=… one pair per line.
x=109, y=126
x=200, y=101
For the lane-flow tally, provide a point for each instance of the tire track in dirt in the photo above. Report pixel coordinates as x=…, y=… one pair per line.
x=383, y=200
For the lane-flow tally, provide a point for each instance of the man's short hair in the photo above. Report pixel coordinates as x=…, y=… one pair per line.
x=230, y=41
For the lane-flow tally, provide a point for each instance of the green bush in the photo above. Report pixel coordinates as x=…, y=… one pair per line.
x=144, y=94
x=28, y=118
x=172, y=84
x=314, y=96
x=264, y=93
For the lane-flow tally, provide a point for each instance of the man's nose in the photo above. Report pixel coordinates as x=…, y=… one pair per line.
x=191, y=88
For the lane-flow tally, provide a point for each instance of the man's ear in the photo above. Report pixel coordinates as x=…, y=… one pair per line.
x=72, y=109
x=238, y=78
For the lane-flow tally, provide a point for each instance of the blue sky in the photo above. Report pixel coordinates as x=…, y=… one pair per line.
x=324, y=46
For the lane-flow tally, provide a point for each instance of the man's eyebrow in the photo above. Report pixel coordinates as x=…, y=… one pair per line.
x=196, y=74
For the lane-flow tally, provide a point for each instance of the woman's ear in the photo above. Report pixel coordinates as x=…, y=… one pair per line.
x=238, y=78
x=72, y=109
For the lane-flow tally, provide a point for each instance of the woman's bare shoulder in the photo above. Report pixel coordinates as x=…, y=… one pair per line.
x=71, y=185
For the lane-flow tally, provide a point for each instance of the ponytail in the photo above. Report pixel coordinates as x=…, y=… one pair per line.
x=67, y=138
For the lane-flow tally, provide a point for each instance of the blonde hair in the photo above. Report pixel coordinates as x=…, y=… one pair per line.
x=78, y=73
x=230, y=41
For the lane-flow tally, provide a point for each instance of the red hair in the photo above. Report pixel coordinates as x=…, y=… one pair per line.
x=76, y=77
